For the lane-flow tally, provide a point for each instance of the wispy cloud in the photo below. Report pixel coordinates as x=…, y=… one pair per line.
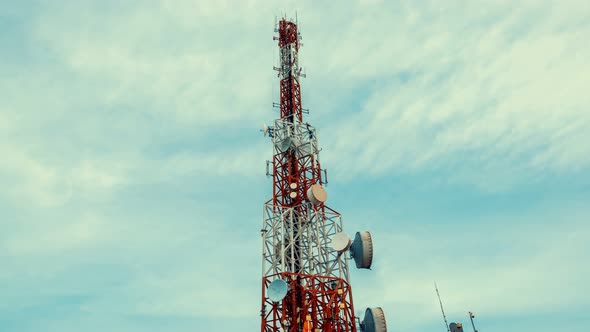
x=500, y=91
x=133, y=169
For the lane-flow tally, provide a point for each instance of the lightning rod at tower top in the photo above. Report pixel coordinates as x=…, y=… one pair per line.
x=305, y=251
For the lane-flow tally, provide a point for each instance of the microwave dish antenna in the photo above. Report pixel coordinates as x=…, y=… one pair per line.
x=362, y=250
x=277, y=290
x=341, y=242
x=374, y=320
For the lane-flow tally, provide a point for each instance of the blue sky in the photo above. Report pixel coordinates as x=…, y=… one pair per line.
x=133, y=166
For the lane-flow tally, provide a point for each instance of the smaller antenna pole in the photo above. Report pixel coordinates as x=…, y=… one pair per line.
x=471, y=316
x=442, y=309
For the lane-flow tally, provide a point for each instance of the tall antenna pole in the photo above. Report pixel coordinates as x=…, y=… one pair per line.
x=471, y=316
x=441, y=308
x=305, y=275
x=297, y=226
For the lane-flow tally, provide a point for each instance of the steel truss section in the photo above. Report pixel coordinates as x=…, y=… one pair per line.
x=294, y=242
x=302, y=136
x=296, y=160
x=318, y=303
x=289, y=72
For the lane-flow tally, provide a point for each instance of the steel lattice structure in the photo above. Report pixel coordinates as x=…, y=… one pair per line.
x=297, y=230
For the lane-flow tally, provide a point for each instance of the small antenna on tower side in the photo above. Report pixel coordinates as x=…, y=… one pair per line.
x=441, y=308
x=264, y=129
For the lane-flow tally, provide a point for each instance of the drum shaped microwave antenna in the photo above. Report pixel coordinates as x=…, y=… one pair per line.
x=277, y=290
x=456, y=327
x=316, y=194
x=362, y=250
x=374, y=320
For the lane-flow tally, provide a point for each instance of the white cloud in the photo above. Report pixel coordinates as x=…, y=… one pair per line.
x=495, y=93
x=47, y=237
x=41, y=181
x=29, y=180
x=173, y=58
x=485, y=97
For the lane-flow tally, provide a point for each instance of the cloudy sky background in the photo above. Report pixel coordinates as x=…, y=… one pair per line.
x=132, y=167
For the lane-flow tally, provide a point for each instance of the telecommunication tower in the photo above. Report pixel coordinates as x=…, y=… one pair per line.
x=305, y=252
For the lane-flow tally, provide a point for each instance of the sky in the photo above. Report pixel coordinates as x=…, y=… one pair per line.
x=133, y=167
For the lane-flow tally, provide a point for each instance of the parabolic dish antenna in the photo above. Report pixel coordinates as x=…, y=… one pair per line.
x=374, y=320
x=285, y=144
x=288, y=143
x=277, y=290
x=317, y=194
x=341, y=242
x=362, y=250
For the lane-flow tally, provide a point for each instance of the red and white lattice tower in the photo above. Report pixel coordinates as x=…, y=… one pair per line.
x=305, y=283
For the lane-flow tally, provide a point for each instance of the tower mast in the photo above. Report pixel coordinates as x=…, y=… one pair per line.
x=305, y=282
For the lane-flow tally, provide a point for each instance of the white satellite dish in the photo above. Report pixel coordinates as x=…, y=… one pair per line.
x=277, y=290
x=265, y=129
x=289, y=143
x=362, y=250
x=317, y=194
x=341, y=242
x=285, y=144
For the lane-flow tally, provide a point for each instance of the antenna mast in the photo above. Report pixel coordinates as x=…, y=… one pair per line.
x=471, y=316
x=305, y=252
x=442, y=309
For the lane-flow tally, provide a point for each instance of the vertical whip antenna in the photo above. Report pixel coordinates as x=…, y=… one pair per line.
x=441, y=308
x=471, y=316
